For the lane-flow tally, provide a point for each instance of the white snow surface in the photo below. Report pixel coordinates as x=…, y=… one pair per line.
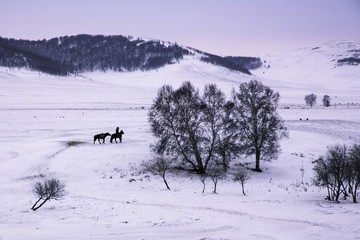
x=109, y=196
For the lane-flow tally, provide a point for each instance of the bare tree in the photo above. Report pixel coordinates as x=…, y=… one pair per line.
x=227, y=146
x=203, y=178
x=159, y=166
x=216, y=173
x=213, y=117
x=331, y=171
x=186, y=125
x=354, y=170
x=310, y=99
x=241, y=176
x=48, y=190
x=259, y=123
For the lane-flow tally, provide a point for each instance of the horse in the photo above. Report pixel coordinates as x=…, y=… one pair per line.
x=101, y=136
x=117, y=135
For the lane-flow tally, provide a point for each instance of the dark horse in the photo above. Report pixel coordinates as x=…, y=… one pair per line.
x=117, y=135
x=101, y=136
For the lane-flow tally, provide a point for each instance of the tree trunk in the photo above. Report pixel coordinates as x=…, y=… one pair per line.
x=223, y=155
x=242, y=186
x=354, y=193
x=36, y=208
x=178, y=144
x=329, y=195
x=257, y=167
x=215, y=183
x=200, y=169
x=167, y=185
x=200, y=166
x=337, y=192
x=36, y=204
x=210, y=151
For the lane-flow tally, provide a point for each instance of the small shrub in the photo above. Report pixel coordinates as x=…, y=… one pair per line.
x=241, y=176
x=48, y=190
x=159, y=166
x=215, y=173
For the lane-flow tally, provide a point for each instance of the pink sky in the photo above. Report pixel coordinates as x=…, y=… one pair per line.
x=223, y=27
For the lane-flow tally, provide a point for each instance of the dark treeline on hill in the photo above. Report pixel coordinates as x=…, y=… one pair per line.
x=82, y=53
x=249, y=63
x=221, y=61
x=241, y=64
x=349, y=61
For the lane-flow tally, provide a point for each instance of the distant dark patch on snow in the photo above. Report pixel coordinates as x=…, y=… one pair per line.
x=74, y=143
x=349, y=61
x=315, y=48
x=32, y=177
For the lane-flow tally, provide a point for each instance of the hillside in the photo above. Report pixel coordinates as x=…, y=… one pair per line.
x=47, y=129
x=321, y=69
x=86, y=53
x=294, y=74
x=330, y=68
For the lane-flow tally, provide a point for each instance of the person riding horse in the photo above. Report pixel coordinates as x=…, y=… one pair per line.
x=116, y=135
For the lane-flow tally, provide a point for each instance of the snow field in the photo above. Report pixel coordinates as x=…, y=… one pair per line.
x=110, y=197
x=47, y=128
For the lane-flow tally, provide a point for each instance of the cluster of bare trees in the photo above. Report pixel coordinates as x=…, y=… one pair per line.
x=204, y=133
x=339, y=172
x=159, y=166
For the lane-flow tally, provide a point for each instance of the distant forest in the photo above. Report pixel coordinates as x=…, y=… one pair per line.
x=82, y=53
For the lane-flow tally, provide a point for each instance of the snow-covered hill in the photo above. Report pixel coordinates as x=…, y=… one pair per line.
x=294, y=74
x=109, y=196
x=314, y=69
x=62, y=56
x=26, y=89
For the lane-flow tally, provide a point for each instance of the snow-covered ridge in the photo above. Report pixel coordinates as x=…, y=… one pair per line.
x=330, y=51
x=314, y=69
